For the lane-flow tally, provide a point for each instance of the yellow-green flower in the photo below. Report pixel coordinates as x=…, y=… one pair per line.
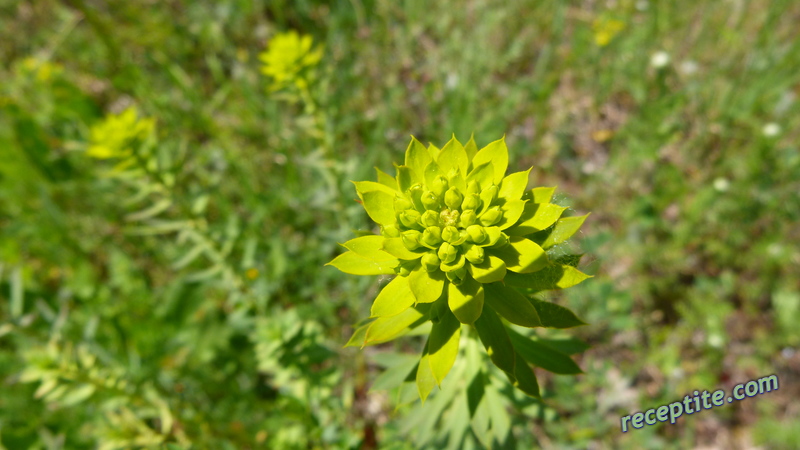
x=288, y=59
x=459, y=233
x=605, y=29
x=113, y=137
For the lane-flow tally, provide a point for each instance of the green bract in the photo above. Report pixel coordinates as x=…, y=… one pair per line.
x=459, y=233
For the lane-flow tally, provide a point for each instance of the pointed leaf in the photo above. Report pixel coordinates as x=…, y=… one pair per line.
x=401, y=366
x=406, y=177
x=443, y=345
x=482, y=175
x=386, y=179
x=497, y=154
x=540, y=194
x=431, y=172
x=495, y=338
x=387, y=328
x=433, y=151
x=556, y=316
x=471, y=148
x=526, y=380
x=350, y=262
x=490, y=270
x=426, y=286
x=453, y=156
x=512, y=305
x=512, y=211
x=521, y=255
x=425, y=379
x=359, y=336
x=396, y=248
x=466, y=300
x=556, y=276
x=542, y=355
x=417, y=158
x=563, y=230
x=393, y=299
x=536, y=217
x=379, y=206
x=369, y=247
x=369, y=186
x=513, y=186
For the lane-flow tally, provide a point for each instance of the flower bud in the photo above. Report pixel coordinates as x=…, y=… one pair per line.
x=409, y=218
x=430, y=262
x=491, y=216
x=439, y=185
x=476, y=234
x=468, y=218
x=432, y=236
x=430, y=219
x=450, y=234
x=403, y=271
x=472, y=187
x=453, y=198
x=475, y=255
x=457, y=276
x=430, y=201
x=489, y=195
x=501, y=241
x=390, y=231
x=401, y=204
x=411, y=239
x=471, y=201
x=447, y=253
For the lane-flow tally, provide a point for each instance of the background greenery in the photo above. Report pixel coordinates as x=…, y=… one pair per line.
x=187, y=304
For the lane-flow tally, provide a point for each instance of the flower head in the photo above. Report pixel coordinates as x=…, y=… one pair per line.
x=113, y=137
x=287, y=58
x=457, y=232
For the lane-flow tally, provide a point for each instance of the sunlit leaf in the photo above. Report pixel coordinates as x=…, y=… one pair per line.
x=497, y=154
x=369, y=247
x=563, y=230
x=393, y=299
x=443, y=345
x=522, y=255
x=490, y=270
x=417, y=158
x=536, y=217
x=466, y=300
x=512, y=305
x=426, y=286
x=555, y=276
x=352, y=263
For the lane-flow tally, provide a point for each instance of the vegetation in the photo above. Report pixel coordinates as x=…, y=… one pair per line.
x=175, y=176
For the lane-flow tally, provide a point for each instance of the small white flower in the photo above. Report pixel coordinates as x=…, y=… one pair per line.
x=689, y=67
x=659, y=59
x=771, y=129
x=721, y=184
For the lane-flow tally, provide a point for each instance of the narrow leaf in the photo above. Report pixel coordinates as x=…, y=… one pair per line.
x=497, y=154
x=426, y=286
x=513, y=186
x=536, y=217
x=443, y=345
x=542, y=355
x=555, y=276
x=359, y=336
x=425, y=378
x=466, y=300
x=453, y=156
x=490, y=270
x=417, y=158
x=386, y=179
x=350, y=262
x=563, y=230
x=406, y=177
x=556, y=316
x=482, y=175
x=495, y=338
x=369, y=186
x=512, y=305
x=540, y=194
x=379, y=206
x=396, y=248
x=369, y=247
x=471, y=148
x=387, y=328
x=522, y=255
x=393, y=299
x=512, y=211
x=525, y=378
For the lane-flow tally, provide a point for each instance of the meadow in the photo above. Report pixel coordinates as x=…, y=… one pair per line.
x=175, y=175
